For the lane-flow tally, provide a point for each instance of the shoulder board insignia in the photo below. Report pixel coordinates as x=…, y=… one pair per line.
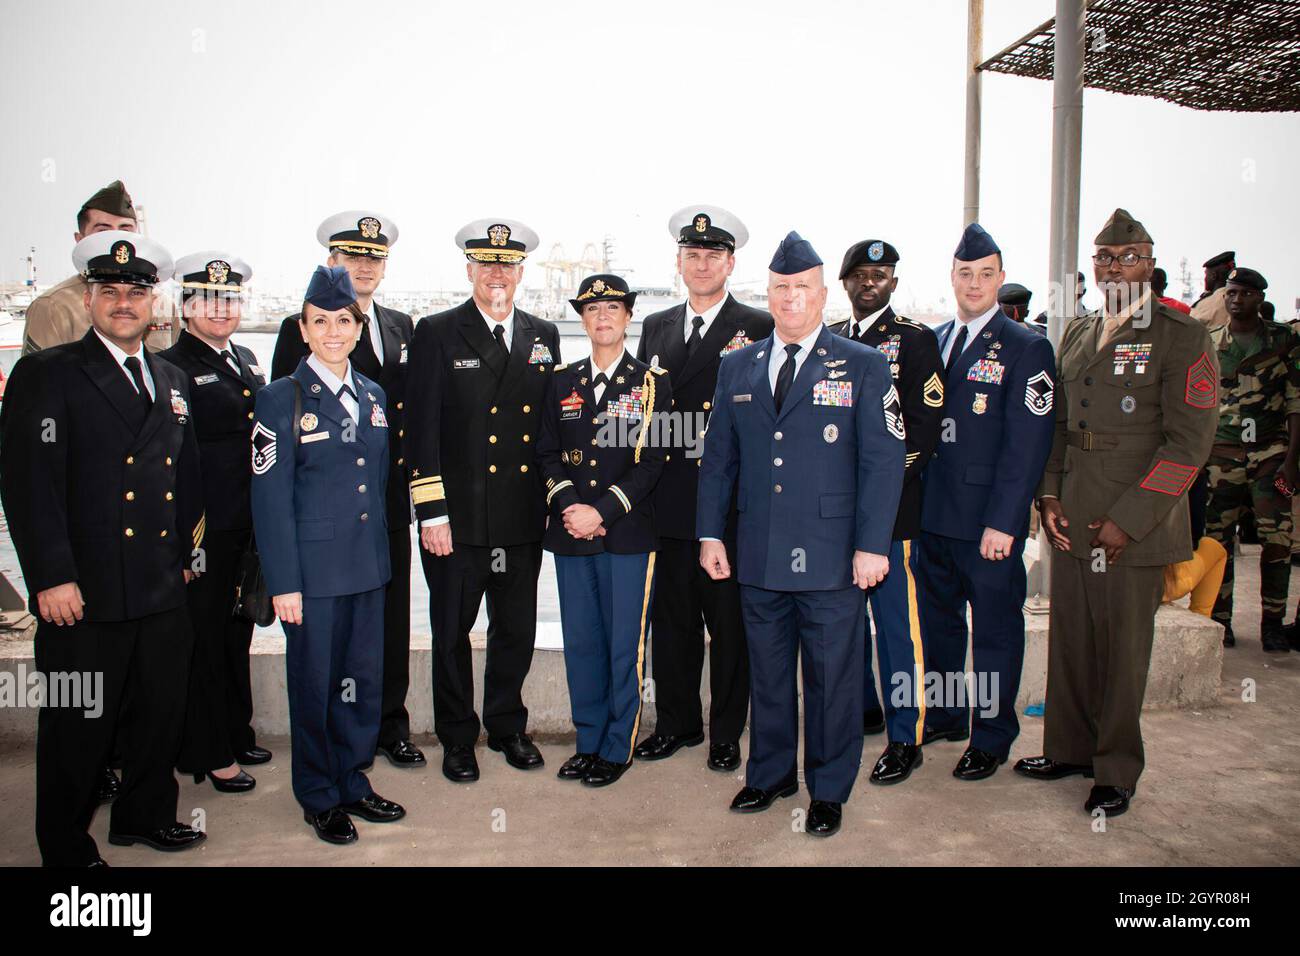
x=658, y=371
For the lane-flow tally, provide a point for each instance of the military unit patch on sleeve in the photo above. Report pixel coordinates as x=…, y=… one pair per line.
x=263, y=449
x=932, y=392
x=1202, y=389
x=1169, y=478
x=894, y=414
x=1038, y=394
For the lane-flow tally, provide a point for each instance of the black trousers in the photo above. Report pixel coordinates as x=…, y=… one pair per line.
x=144, y=666
x=686, y=600
x=219, y=711
x=457, y=585
x=395, y=722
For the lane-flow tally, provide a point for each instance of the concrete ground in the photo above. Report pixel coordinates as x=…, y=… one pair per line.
x=1220, y=788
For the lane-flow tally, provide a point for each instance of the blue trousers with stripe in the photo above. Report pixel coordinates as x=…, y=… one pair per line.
x=334, y=665
x=826, y=626
x=896, y=618
x=604, y=614
x=955, y=575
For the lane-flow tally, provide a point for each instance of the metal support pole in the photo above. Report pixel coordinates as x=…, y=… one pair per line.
x=974, y=79
x=1067, y=145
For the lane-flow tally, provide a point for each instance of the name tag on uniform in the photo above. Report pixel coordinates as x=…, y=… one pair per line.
x=206, y=379
x=465, y=363
x=571, y=407
x=308, y=439
x=742, y=398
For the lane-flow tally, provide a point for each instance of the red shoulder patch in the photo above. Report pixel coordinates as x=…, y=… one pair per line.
x=1169, y=478
x=1202, y=386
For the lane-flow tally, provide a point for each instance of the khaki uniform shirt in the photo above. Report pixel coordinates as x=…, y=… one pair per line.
x=59, y=315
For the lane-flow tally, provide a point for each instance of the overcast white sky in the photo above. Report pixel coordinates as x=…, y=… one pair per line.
x=241, y=125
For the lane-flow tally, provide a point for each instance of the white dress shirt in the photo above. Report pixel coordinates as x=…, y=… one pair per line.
x=856, y=328
x=708, y=316
x=333, y=383
x=120, y=357
x=973, y=329
x=376, y=336
x=599, y=390
x=508, y=324
x=779, y=355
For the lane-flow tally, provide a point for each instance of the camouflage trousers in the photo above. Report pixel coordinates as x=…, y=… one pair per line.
x=1241, y=481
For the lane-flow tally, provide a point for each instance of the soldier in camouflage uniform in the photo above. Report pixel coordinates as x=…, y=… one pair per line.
x=1255, y=444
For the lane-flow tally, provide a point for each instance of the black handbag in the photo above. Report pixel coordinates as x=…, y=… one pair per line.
x=252, y=602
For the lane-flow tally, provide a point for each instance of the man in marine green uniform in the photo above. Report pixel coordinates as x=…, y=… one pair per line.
x=1136, y=411
x=1255, y=445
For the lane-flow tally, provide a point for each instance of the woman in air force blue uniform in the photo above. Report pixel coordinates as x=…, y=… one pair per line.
x=320, y=462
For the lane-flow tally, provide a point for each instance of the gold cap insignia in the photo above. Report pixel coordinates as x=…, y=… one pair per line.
x=598, y=286
x=218, y=271
x=701, y=223
x=369, y=227
x=122, y=253
x=499, y=235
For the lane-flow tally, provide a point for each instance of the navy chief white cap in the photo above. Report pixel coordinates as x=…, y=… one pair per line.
x=496, y=240
x=212, y=271
x=119, y=256
x=711, y=227
x=358, y=232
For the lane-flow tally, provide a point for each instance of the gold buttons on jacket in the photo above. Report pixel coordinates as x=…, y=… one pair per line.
x=593, y=463
x=525, y=438
x=401, y=461
x=169, y=496
x=247, y=393
x=707, y=406
x=493, y=409
x=130, y=533
x=492, y=439
x=523, y=468
x=593, y=484
x=162, y=533
x=593, y=441
x=130, y=496
x=169, y=461
x=527, y=409
x=399, y=406
x=250, y=416
x=130, y=459
x=401, y=433
x=492, y=469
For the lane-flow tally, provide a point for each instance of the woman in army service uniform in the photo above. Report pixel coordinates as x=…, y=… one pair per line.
x=600, y=461
x=224, y=380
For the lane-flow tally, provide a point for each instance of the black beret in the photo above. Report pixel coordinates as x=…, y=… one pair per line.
x=1222, y=259
x=1249, y=278
x=1013, y=293
x=875, y=251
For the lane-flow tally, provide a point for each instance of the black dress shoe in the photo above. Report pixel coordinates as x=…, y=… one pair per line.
x=659, y=746
x=752, y=799
x=403, y=754
x=824, y=818
x=332, y=825
x=602, y=772
x=1229, y=639
x=459, y=765
x=1045, y=768
x=724, y=757
x=576, y=767
x=873, y=721
x=521, y=753
x=168, y=839
x=239, y=783
x=109, y=786
x=1111, y=800
x=930, y=735
x=897, y=763
x=253, y=756
x=977, y=764
x=374, y=808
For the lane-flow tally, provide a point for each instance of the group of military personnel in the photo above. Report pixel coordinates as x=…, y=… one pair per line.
x=746, y=473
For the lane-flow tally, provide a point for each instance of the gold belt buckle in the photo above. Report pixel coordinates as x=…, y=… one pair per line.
x=1087, y=441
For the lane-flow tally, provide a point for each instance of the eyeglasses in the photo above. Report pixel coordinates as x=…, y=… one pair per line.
x=1104, y=259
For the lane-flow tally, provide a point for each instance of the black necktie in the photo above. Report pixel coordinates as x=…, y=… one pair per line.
x=957, y=348
x=347, y=390
x=137, y=375
x=785, y=378
x=693, y=342
x=854, y=331
x=365, y=356
x=500, y=333
x=597, y=385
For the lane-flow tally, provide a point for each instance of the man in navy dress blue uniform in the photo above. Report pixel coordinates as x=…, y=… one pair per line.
x=807, y=429
x=320, y=464
x=996, y=436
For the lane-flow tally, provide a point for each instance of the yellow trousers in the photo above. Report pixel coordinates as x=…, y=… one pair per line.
x=1200, y=577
